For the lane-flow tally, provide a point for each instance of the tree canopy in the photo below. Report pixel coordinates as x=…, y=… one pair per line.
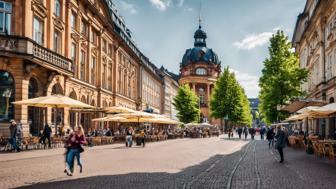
x=229, y=100
x=187, y=105
x=281, y=78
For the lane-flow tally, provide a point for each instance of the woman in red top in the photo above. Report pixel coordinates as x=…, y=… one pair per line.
x=75, y=142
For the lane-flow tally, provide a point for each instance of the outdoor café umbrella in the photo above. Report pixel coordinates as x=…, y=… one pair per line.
x=136, y=115
x=53, y=101
x=110, y=118
x=118, y=109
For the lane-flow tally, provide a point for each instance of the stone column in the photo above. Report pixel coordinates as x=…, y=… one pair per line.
x=194, y=87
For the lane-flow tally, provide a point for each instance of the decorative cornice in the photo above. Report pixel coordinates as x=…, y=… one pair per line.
x=39, y=9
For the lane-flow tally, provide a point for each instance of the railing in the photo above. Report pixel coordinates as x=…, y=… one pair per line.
x=52, y=57
x=26, y=46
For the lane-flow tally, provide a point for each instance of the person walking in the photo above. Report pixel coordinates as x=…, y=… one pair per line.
x=280, y=142
x=252, y=132
x=46, y=135
x=245, y=132
x=262, y=132
x=270, y=137
x=75, y=142
x=129, y=137
x=143, y=137
x=240, y=131
x=13, y=134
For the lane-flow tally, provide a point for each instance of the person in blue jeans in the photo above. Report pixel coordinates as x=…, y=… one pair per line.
x=75, y=142
x=13, y=134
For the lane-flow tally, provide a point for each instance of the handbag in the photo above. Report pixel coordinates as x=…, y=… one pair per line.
x=81, y=149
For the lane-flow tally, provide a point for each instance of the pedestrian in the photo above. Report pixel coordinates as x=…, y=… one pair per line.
x=129, y=137
x=270, y=137
x=240, y=131
x=67, y=147
x=252, y=132
x=143, y=137
x=13, y=134
x=75, y=141
x=262, y=132
x=46, y=135
x=280, y=142
x=245, y=132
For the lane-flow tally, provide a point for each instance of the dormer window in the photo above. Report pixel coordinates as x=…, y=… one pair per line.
x=201, y=71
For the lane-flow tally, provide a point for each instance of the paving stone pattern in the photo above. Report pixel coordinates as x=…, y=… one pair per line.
x=255, y=166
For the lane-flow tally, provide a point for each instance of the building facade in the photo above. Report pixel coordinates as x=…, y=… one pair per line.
x=170, y=88
x=200, y=69
x=151, y=88
x=77, y=48
x=314, y=41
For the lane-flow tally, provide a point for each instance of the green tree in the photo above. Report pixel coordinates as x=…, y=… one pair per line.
x=229, y=99
x=187, y=105
x=281, y=78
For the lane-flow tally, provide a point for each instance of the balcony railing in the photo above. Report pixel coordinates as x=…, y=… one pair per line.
x=29, y=49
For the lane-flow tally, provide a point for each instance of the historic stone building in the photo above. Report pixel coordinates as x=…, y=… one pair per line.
x=314, y=40
x=78, y=48
x=200, y=69
x=170, y=88
x=151, y=87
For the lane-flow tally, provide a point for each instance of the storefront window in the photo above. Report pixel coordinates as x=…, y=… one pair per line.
x=6, y=96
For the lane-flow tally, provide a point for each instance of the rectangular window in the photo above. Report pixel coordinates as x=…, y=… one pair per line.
x=5, y=17
x=38, y=31
x=57, y=8
x=93, y=70
x=109, y=77
x=82, y=65
x=110, y=50
x=104, y=76
x=84, y=28
x=57, y=41
x=73, y=20
x=94, y=37
x=73, y=52
x=104, y=46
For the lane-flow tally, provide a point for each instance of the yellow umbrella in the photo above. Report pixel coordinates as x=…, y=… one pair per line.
x=53, y=101
x=110, y=118
x=118, y=109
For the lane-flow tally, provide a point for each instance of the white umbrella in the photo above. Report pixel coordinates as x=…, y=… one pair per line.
x=53, y=101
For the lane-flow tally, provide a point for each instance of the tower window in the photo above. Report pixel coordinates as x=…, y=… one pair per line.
x=201, y=71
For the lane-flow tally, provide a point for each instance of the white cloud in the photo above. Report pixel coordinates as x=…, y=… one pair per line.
x=128, y=7
x=249, y=82
x=162, y=5
x=253, y=40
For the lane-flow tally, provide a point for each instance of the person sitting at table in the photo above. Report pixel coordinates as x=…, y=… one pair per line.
x=108, y=132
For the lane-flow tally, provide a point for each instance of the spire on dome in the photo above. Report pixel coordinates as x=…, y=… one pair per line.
x=200, y=16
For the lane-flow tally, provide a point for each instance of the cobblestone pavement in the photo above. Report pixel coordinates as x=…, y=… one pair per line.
x=187, y=163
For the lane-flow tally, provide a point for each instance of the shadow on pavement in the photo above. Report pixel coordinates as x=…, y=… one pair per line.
x=219, y=163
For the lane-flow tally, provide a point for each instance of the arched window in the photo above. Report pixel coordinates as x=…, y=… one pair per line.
x=7, y=96
x=32, y=88
x=58, y=8
x=57, y=89
x=201, y=71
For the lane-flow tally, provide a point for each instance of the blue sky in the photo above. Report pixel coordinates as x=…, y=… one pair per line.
x=238, y=30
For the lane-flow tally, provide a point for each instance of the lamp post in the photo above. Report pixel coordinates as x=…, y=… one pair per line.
x=226, y=117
